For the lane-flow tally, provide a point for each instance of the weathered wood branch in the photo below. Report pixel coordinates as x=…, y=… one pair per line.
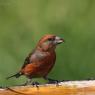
x=64, y=88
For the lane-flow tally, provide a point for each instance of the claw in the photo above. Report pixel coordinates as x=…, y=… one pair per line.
x=35, y=84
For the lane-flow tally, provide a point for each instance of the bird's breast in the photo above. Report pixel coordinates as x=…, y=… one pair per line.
x=45, y=65
x=37, y=56
x=44, y=59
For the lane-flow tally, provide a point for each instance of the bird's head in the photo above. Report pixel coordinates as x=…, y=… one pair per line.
x=49, y=42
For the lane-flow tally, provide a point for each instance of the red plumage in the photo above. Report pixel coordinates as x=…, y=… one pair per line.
x=40, y=62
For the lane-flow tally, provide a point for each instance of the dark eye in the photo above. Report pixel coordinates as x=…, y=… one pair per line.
x=51, y=39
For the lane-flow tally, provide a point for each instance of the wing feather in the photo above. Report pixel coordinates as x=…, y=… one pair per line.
x=27, y=60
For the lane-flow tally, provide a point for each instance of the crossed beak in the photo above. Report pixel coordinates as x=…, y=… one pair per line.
x=58, y=40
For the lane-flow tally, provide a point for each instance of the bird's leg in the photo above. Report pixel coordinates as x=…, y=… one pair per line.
x=52, y=81
x=35, y=84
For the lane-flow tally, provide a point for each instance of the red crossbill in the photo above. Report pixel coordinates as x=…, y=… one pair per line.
x=41, y=61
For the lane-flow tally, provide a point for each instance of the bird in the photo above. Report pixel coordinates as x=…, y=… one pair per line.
x=41, y=60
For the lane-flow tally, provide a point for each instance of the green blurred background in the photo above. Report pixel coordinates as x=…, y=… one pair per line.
x=24, y=22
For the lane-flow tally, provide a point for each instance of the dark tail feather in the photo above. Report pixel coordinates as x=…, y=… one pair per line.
x=17, y=75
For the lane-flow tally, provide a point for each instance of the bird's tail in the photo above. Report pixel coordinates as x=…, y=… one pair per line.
x=17, y=75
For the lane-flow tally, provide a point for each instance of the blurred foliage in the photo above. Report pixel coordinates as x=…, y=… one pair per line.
x=24, y=22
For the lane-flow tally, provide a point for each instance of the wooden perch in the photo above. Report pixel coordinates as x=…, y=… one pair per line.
x=64, y=88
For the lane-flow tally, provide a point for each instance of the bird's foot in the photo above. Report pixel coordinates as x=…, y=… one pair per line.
x=52, y=81
x=35, y=84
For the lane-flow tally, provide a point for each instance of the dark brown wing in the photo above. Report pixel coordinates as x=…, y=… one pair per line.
x=32, y=57
x=27, y=60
